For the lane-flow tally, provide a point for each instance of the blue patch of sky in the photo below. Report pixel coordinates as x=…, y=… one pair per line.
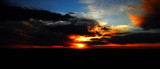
x=51, y=5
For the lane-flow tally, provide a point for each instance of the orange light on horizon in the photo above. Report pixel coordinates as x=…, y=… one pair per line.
x=85, y=46
x=99, y=31
x=79, y=46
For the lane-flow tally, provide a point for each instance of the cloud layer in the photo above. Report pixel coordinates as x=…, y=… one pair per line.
x=87, y=1
x=24, y=26
x=136, y=38
x=30, y=27
x=150, y=18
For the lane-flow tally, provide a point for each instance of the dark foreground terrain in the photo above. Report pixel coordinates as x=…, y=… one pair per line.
x=63, y=53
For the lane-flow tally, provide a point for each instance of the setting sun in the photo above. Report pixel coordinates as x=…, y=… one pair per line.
x=79, y=46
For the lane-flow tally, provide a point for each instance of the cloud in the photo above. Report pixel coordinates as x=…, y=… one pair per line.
x=131, y=7
x=121, y=27
x=20, y=30
x=108, y=11
x=36, y=32
x=132, y=46
x=108, y=46
x=104, y=7
x=136, y=38
x=87, y=1
x=25, y=26
x=102, y=11
x=136, y=19
x=150, y=18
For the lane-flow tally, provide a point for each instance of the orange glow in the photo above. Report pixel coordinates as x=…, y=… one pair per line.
x=131, y=45
x=33, y=46
x=97, y=29
x=82, y=38
x=84, y=46
x=79, y=46
x=100, y=29
x=136, y=19
x=150, y=6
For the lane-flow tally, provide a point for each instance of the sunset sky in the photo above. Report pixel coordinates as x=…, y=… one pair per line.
x=80, y=23
x=111, y=11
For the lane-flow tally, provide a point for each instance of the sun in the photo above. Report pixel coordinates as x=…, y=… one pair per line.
x=79, y=46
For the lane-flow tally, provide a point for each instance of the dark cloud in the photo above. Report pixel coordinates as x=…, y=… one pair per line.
x=15, y=32
x=17, y=27
x=136, y=38
x=37, y=33
x=150, y=18
x=124, y=33
x=76, y=26
x=9, y=12
x=71, y=13
x=151, y=21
